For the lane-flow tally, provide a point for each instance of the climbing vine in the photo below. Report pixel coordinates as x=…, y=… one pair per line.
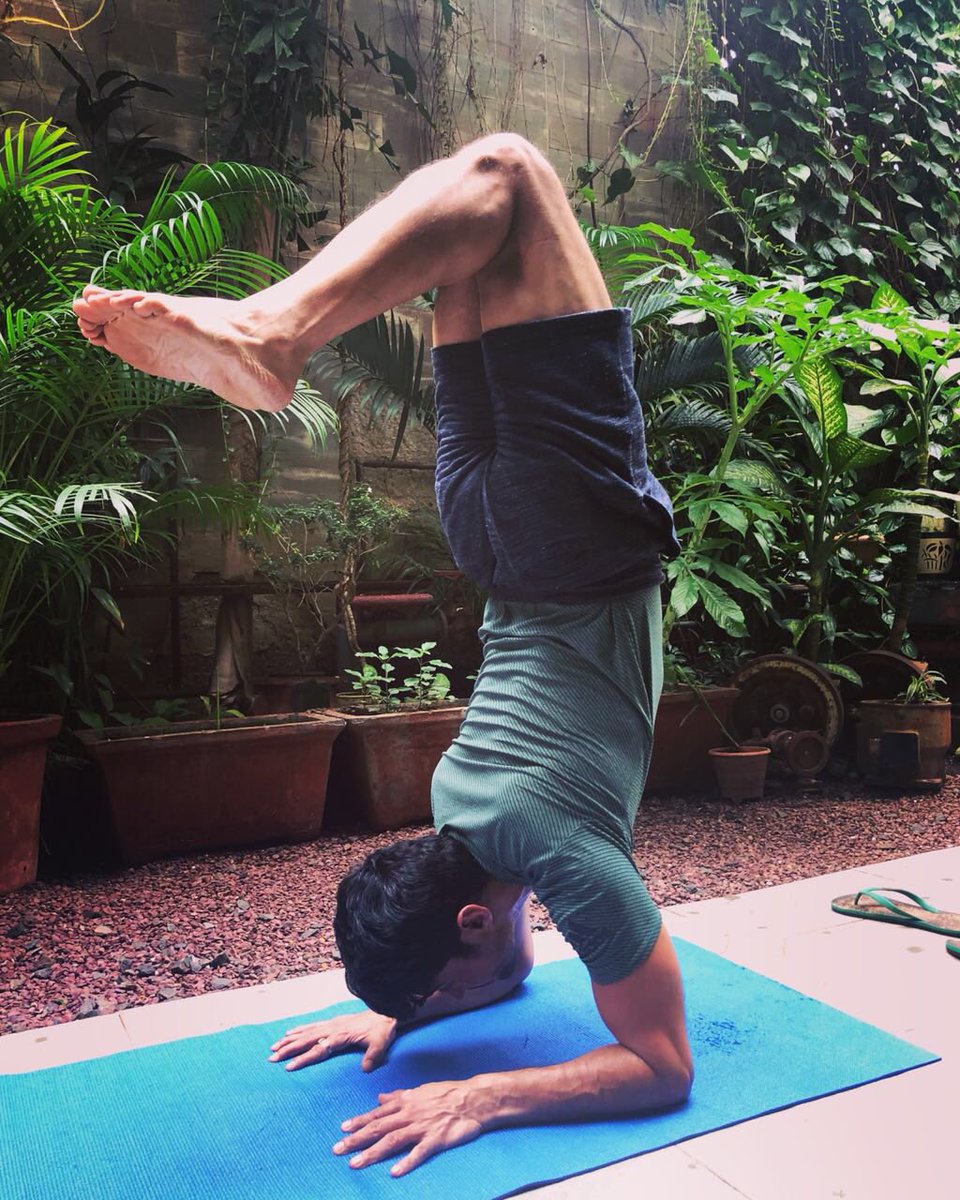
x=831, y=140
x=269, y=76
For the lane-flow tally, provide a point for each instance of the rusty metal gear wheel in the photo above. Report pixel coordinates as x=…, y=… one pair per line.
x=782, y=691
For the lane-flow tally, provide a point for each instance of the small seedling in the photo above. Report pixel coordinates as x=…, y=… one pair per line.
x=377, y=687
x=924, y=689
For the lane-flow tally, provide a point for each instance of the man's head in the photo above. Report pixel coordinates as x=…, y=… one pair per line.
x=398, y=920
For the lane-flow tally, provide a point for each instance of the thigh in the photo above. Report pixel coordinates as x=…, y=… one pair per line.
x=456, y=314
x=545, y=268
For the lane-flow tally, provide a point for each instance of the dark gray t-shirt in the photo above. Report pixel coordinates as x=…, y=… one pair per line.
x=543, y=783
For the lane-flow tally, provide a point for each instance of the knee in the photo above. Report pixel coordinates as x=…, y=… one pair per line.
x=501, y=153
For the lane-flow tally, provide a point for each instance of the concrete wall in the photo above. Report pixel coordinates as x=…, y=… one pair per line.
x=569, y=77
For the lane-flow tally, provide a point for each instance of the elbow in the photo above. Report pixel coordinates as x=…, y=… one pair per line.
x=673, y=1076
x=675, y=1084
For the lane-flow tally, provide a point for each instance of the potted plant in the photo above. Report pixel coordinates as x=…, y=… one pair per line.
x=300, y=549
x=739, y=768
x=702, y=393
x=73, y=512
x=223, y=782
x=397, y=727
x=904, y=742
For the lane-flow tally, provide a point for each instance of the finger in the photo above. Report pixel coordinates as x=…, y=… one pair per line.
x=291, y=1040
x=376, y=1052
x=363, y=1135
x=386, y=1146
x=306, y=1053
x=298, y=1029
x=418, y=1155
x=355, y=1124
x=93, y=333
x=317, y=1054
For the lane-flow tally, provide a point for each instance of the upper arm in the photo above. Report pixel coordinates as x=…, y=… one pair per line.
x=645, y=1013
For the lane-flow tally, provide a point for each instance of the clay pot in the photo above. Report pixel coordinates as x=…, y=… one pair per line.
x=740, y=773
x=684, y=732
x=23, y=753
x=904, y=745
x=383, y=765
x=200, y=785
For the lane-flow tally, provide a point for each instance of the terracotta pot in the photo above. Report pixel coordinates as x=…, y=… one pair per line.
x=683, y=733
x=740, y=773
x=23, y=752
x=904, y=745
x=938, y=545
x=197, y=786
x=383, y=764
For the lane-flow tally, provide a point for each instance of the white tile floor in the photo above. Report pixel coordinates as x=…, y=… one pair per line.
x=891, y=1140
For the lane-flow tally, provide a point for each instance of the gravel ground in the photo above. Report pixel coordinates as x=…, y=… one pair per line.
x=95, y=944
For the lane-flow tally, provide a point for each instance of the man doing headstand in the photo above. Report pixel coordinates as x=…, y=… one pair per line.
x=548, y=504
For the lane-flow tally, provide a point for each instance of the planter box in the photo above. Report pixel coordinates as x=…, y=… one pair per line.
x=904, y=745
x=683, y=735
x=194, y=786
x=23, y=752
x=383, y=764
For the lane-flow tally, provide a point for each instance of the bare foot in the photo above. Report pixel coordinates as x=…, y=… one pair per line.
x=192, y=339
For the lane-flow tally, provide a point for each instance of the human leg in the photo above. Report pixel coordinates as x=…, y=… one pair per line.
x=495, y=212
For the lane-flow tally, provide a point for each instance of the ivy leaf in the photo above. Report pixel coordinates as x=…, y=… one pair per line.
x=621, y=181
x=721, y=96
x=787, y=226
x=792, y=36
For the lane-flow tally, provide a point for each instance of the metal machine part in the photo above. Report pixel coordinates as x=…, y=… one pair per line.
x=782, y=693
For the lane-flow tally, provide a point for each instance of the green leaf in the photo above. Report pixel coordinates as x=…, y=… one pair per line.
x=109, y=605
x=722, y=608
x=730, y=515
x=823, y=388
x=684, y=593
x=742, y=581
x=850, y=454
x=721, y=96
x=876, y=387
x=842, y=671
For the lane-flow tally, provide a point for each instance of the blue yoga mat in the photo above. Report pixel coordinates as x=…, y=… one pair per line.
x=209, y=1117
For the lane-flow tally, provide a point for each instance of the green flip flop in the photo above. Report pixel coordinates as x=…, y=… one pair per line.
x=875, y=904
x=954, y=949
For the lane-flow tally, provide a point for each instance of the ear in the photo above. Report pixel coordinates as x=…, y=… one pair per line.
x=474, y=921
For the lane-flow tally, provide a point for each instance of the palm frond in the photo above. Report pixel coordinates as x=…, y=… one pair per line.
x=382, y=362
x=167, y=256
x=309, y=408
x=238, y=193
x=691, y=416
x=680, y=365
x=648, y=302
x=39, y=154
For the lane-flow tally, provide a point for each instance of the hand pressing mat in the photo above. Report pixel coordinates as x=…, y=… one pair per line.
x=208, y=1118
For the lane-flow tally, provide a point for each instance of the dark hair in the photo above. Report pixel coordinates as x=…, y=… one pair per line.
x=396, y=921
